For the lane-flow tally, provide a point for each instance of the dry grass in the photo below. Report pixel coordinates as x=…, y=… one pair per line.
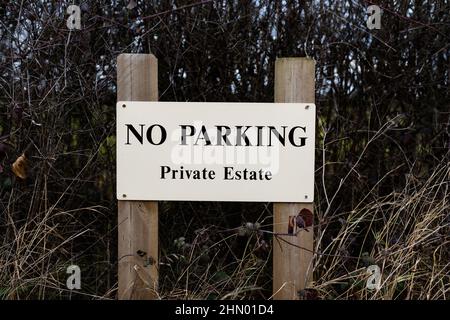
x=406, y=233
x=36, y=251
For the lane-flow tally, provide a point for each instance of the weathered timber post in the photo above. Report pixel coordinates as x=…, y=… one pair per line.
x=292, y=266
x=137, y=80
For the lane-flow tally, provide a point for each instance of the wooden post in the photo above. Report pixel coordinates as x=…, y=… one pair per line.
x=292, y=266
x=137, y=80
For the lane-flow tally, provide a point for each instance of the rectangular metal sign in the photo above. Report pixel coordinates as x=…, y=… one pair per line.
x=215, y=151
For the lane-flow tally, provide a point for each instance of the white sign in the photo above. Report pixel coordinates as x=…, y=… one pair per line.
x=215, y=151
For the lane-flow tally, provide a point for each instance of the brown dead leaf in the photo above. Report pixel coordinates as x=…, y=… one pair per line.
x=19, y=167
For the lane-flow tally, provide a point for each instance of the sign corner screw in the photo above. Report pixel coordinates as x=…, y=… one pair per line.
x=124, y=105
x=124, y=195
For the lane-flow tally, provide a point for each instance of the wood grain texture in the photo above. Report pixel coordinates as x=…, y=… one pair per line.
x=137, y=80
x=292, y=266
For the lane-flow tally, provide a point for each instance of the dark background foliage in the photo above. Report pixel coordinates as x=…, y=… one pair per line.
x=57, y=105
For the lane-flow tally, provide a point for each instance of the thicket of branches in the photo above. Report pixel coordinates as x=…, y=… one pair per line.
x=382, y=147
